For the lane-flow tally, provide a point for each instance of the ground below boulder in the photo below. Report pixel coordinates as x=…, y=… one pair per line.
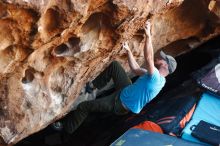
x=50, y=49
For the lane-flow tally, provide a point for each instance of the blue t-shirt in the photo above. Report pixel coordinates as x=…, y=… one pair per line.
x=136, y=95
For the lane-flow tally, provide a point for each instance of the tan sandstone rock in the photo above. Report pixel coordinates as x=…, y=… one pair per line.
x=49, y=49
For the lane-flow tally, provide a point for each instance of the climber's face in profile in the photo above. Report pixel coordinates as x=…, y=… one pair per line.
x=159, y=62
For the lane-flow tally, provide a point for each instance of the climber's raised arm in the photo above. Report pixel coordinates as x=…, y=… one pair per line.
x=148, y=49
x=135, y=68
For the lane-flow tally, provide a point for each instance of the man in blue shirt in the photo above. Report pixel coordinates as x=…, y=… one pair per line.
x=128, y=97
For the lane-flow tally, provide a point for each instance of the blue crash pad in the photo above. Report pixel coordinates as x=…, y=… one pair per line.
x=208, y=109
x=138, y=137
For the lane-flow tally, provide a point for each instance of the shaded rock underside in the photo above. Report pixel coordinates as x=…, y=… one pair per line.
x=50, y=49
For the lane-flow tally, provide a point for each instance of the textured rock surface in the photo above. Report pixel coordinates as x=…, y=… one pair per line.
x=214, y=6
x=50, y=48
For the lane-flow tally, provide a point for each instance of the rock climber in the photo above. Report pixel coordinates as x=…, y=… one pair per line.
x=127, y=97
